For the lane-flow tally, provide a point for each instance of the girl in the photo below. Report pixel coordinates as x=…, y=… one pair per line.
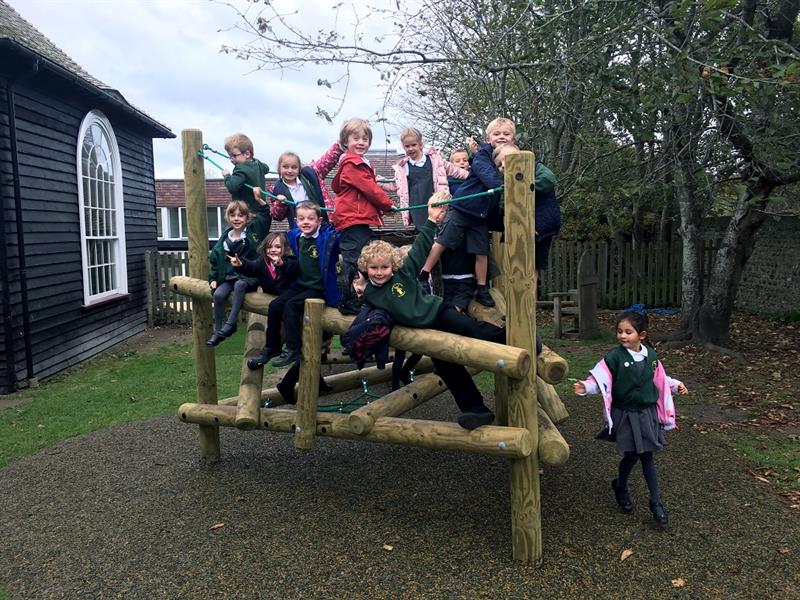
x=298, y=183
x=235, y=242
x=276, y=271
x=638, y=407
x=393, y=286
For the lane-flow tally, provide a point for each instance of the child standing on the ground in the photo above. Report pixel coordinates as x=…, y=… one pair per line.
x=637, y=406
x=276, y=270
x=298, y=183
x=360, y=202
x=393, y=286
x=418, y=174
x=316, y=245
x=246, y=181
x=236, y=241
x=467, y=218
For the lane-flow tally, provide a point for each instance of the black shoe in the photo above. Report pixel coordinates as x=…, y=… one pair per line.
x=215, y=339
x=263, y=358
x=659, y=514
x=287, y=357
x=482, y=296
x=623, y=499
x=472, y=420
x=227, y=330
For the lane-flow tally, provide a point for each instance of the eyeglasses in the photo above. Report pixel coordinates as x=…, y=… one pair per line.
x=232, y=156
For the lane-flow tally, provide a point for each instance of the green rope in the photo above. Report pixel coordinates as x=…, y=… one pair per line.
x=225, y=155
x=452, y=200
x=247, y=185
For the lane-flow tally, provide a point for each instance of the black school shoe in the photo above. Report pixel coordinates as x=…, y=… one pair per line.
x=287, y=357
x=623, y=499
x=476, y=418
x=263, y=358
x=482, y=296
x=659, y=514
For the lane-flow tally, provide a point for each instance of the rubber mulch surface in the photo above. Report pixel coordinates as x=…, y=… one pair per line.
x=130, y=512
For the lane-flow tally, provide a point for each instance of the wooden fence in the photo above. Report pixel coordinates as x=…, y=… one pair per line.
x=164, y=307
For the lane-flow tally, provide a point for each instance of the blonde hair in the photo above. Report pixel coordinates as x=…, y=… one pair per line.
x=239, y=205
x=499, y=121
x=501, y=151
x=240, y=141
x=271, y=237
x=411, y=132
x=309, y=205
x=458, y=151
x=353, y=126
x=287, y=155
x=379, y=249
x=440, y=196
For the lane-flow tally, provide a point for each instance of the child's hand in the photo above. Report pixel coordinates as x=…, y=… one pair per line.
x=472, y=145
x=280, y=198
x=436, y=213
x=257, y=196
x=682, y=389
x=277, y=261
x=225, y=172
x=235, y=261
x=213, y=285
x=359, y=284
x=578, y=387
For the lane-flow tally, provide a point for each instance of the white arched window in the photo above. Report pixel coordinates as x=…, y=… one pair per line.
x=102, y=215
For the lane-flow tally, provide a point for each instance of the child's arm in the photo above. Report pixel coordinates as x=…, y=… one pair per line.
x=544, y=179
x=588, y=386
x=278, y=209
x=235, y=180
x=454, y=171
x=483, y=167
x=677, y=386
x=323, y=165
x=361, y=177
x=424, y=240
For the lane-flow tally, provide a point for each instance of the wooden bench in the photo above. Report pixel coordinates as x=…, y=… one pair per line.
x=579, y=304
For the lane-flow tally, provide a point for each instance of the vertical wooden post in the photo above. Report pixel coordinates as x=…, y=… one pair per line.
x=249, y=407
x=500, y=381
x=305, y=435
x=520, y=284
x=194, y=184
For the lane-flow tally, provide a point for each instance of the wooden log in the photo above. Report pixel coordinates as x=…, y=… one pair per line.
x=550, y=401
x=520, y=288
x=251, y=379
x=202, y=319
x=512, y=361
x=504, y=442
x=500, y=399
x=496, y=315
x=551, y=367
x=553, y=448
x=340, y=382
x=308, y=385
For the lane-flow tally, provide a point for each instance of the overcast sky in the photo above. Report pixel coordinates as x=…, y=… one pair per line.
x=164, y=57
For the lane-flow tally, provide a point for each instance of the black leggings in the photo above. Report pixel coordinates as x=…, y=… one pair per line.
x=648, y=470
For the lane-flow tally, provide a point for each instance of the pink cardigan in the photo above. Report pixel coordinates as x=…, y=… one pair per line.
x=441, y=168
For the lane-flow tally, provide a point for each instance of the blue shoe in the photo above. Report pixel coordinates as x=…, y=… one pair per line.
x=287, y=357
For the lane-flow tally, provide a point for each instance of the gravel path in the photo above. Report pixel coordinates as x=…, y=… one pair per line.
x=128, y=513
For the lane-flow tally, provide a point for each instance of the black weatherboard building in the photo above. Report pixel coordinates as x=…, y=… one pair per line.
x=78, y=208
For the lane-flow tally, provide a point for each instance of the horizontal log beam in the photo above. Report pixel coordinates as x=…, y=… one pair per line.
x=505, y=442
x=486, y=356
x=550, y=401
x=551, y=367
x=553, y=448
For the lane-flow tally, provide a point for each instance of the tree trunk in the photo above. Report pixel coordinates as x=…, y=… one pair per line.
x=691, y=231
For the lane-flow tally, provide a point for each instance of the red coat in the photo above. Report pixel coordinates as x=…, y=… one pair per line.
x=359, y=198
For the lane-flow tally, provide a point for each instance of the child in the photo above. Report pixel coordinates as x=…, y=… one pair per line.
x=236, y=241
x=638, y=406
x=248, y=171
x=418, y=174
x=396, y=289
x=360, y=202
x=460, y=158
x=275, y=271
x=298, y=183
x=468, y=218
x=316, y=245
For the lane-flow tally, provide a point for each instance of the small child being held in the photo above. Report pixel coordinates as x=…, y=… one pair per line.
x=236, y=242
x=460, y=158
x=276, y=270
x=246, y=181
x=637, y=406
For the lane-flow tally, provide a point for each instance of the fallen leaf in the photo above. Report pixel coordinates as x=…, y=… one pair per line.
x=679, y=582
x=388, y=548
x=625, y=554
x=216, y=526
x=784, y=549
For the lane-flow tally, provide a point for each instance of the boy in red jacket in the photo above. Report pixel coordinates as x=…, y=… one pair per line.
x=360, y=202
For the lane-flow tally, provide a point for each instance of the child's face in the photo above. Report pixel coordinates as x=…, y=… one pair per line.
x=460, y=159
x=289, y=168
x=237, y=219
x=307, y=221
x=413, y=147
x=238, y=157
x=275, y=249
x=628, y=337
x=358, y=142
x=379, y=269
x=500, y=135
x=500, y=161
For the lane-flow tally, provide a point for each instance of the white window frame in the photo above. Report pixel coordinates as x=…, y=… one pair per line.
x=120, y=265
x=166, y=220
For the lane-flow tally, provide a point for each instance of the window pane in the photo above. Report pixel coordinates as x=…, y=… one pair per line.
x=159, y=224
x=213, y=224
x=184, y=226
x=172, y=223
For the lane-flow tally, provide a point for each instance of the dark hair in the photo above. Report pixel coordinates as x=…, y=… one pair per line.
x=309, y=205
x=637, y=320
x=271, y=237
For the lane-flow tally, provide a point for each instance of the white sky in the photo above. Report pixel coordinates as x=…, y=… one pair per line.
x=163, y=56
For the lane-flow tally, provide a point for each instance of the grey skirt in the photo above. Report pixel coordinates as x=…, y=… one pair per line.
x=637, y=431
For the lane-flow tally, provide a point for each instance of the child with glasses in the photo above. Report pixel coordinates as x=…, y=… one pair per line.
x=247, y=180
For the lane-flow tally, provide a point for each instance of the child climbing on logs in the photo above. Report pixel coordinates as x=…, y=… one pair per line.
x=235, y=242
x=637, y=406
x=246, y=181
x=395, y=288
x=276, y=270
x=298, y=183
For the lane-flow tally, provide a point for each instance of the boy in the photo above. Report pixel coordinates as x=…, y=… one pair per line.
x=468, y=218
x=316, y=246
x=460, y=158
x=360, y=202
x=396, y=289
x=418, y=174
x=248, y=171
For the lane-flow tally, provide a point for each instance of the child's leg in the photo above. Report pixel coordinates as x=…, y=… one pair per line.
x=293, y=317
x=240, y=288
x=275, y=318
x=625, y=468
x=650, y=476
x=453, y=321
x=481, y=268
x=221, y=294
x=433, y=256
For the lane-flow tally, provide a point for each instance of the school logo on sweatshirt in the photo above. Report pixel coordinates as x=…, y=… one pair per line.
x=313, y=252
x=398, y=290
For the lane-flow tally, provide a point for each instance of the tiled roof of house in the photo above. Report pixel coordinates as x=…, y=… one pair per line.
x=17, y=31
